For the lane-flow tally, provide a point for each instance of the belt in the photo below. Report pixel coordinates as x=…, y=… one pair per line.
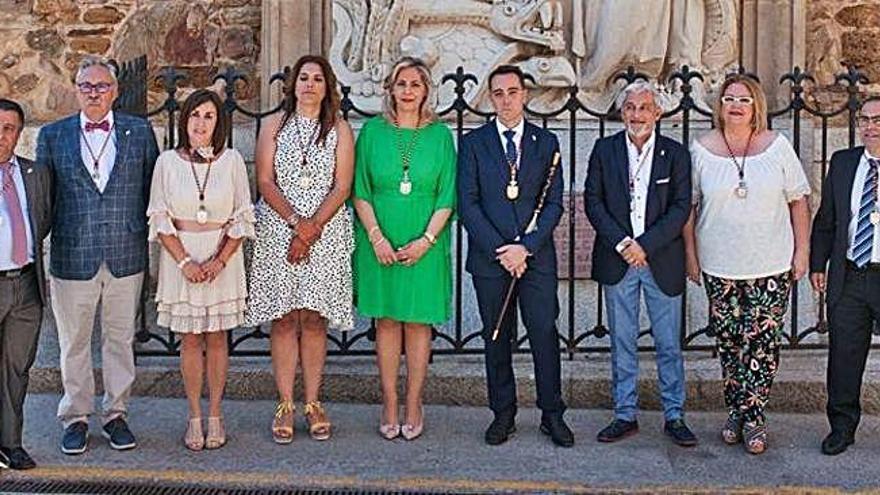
x=869, y=267
x=17, y=272
x=194, y=226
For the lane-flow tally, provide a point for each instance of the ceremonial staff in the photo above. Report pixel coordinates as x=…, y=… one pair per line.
x=531, y=227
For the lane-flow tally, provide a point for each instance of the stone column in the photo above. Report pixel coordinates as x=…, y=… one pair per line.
x=774, y=41
x=290, y=30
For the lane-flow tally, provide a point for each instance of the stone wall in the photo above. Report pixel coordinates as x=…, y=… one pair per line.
x=838, y=32
x=42, y=41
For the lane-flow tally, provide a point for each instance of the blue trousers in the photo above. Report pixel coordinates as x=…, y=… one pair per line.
x=664, y=311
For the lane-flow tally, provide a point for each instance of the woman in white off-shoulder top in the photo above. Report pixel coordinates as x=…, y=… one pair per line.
x=200, y=210
x=748, y=239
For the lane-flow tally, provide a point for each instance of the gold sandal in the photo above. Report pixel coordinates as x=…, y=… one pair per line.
x=216, y=433
x=319, y=424
x=194, y=439
x=282, y=423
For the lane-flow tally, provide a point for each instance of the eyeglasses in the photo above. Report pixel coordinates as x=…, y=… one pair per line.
x=100, y=88
x=744, y=100
x=864, y=120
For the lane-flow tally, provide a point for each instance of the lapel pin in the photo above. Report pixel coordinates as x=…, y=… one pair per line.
x=127, y=132
x=534, y=138
x=29, y=170
x=662, y=152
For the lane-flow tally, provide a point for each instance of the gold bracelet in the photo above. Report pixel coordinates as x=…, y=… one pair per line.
x=182, y=263
x=430, y=237
x=373, y=231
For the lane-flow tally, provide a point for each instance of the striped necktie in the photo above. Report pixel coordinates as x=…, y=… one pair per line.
x=16, y=218
x=863, y=241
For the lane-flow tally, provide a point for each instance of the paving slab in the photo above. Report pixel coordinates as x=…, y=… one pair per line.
x=451, y=456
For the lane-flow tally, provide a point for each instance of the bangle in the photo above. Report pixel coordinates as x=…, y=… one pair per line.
x=430, y=237
x=373, y=231
x=182, y=263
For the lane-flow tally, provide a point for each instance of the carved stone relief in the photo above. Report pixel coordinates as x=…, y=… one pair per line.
x=560, y=44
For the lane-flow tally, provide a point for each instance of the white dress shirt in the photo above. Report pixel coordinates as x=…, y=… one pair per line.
x=95, y=140
x=855, y=203
x=640, y=164
x=518, y=130
x=6, y=262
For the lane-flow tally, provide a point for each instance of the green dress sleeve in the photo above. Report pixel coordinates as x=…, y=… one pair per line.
x=363, y=190
x=446, y=184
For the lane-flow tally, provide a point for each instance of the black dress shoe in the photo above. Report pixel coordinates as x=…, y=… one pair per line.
x=679, y=432
x=559, y=432
x=18, y=458
x=121, y=438
x=4, y=460
x=501, y=428
x=618, y=430
x=836, y=443
x=76, y=438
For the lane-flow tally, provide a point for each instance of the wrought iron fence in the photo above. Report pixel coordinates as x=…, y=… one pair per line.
x=461, y=340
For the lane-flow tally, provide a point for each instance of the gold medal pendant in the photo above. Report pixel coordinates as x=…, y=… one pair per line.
x=305, y=181
x=875, y=217
x=512, y=190
x=405, y=186
x=202, y=215
x=741, y=190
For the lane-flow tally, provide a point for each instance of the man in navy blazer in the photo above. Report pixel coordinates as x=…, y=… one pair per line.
x=502, y=167
x=846, y=240
x=102, y=164
x=637, y=197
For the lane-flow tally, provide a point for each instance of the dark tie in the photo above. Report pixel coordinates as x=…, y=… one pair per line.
x=100, y=126
x=863, y=241
x=16, y=218
x=510, y=147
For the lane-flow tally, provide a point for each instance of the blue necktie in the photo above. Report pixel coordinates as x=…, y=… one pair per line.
x=510, y=150
x=863, y=241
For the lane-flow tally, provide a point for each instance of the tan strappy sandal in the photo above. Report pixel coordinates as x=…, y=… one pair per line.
x=194, y=438
x=319, y=424
x=216, y=433
x=282, y=423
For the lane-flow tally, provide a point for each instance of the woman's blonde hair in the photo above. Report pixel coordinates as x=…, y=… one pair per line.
x=426, y=109
x=759, y=107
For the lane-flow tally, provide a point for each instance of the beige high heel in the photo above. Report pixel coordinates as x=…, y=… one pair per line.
x=216, y=433
x=194, y=438
x=282, y=423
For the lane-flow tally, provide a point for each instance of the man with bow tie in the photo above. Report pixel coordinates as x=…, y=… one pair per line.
x=638, y=198
x=102, y=164
x=25, y=210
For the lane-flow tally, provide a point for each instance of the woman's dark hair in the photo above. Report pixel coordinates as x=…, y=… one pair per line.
x=329, y=105
x=221, y=130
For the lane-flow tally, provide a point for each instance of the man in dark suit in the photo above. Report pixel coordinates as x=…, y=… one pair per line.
x=502, y=167
x=847, y=240
x=25, y=215
x=637, y=197
x=102, y=164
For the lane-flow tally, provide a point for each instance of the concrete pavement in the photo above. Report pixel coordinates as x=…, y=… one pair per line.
x=451, y=456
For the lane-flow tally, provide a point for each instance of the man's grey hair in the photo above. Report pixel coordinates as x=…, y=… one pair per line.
x=640, y=86
x=92, y=61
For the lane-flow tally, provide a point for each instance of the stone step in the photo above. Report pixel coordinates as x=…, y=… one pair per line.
x=460, y=380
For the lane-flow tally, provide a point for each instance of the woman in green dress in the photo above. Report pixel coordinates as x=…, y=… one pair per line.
x=404, y=194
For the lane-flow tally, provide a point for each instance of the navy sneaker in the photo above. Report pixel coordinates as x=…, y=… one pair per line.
x=679, y=432
x=121, y=438
x=76, y=438
x=618, y=430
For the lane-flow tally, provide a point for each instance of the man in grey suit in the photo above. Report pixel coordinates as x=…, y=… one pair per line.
x=25, y=209
x=102, y=164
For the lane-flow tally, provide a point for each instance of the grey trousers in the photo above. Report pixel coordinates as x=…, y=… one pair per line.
x=21, y=313
x=74, y=303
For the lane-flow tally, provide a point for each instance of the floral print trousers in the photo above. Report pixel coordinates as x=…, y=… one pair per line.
x=747, y=317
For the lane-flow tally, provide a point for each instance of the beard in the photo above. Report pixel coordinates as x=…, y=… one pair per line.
x=639, y=130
